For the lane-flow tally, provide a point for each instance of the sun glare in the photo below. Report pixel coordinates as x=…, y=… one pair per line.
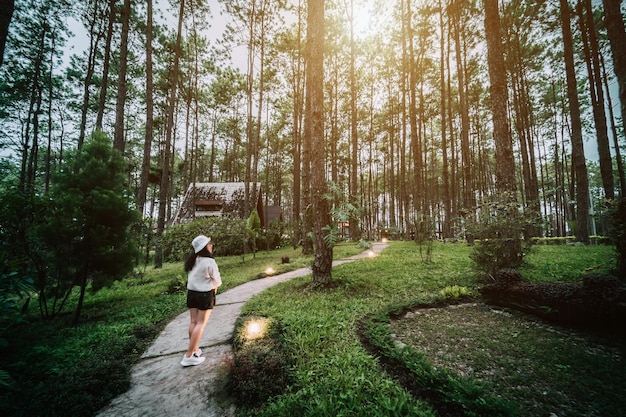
x=363, y=21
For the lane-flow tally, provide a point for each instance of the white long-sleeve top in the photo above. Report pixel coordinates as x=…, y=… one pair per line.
x=204, y=276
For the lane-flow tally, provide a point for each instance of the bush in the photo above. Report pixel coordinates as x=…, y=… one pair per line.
x=502, y=236
x=618, y=235
x=508, y=276
x=230, y=236
x=260, y=364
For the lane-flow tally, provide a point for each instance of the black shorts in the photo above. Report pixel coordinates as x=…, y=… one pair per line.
x=201, y=300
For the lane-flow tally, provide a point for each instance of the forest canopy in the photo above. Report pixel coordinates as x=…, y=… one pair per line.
x=430, y=108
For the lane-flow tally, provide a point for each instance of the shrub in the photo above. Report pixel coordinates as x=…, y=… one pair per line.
x=618, y=235
x=260, y=364
x=230, y=235
x=502, y=236
x=600, y=287
x=178, y=284
x=507, y=276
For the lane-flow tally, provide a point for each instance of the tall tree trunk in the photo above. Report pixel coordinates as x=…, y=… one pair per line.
x=164, y=193
x=392, y=160
x=119, y=139
x=27, y=174
x=614, y=23
x=257, y=133
x=591, y=50
x=469, y=200
x=105, y=66
x=616, y=148
x=297, y=137
x=505, y=163
x=6, y=13
x=94, y=41
x=454, y=183
x=48, y=161
x=354, y=140
x=403, y=129
x=307, y=217
x=250, y=143
x=415, y=137
x=323, y=260
x=579, y=166
x=447, y=211
x=147, y=145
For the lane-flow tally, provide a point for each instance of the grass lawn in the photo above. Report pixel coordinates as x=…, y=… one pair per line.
x=489, y=362
x=59, y=370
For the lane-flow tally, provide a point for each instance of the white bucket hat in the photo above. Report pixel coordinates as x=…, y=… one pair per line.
x=199, y=242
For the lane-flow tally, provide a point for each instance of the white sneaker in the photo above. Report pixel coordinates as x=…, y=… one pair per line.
x=192, y=360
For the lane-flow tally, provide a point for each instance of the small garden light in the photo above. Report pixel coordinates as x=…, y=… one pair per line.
x=255, y=329
x=269, y=271
x=371, y=254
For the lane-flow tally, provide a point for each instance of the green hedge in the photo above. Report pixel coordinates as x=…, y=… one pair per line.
x=231, y=237
x=570, y=240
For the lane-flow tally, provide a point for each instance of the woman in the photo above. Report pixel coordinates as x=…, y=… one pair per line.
x=203, y=278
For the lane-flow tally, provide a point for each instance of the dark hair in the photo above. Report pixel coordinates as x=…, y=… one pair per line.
x=191, y=259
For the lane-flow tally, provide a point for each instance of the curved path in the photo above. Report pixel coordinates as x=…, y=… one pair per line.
x=161, y=387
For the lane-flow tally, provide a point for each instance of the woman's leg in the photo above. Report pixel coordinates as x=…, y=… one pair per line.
x=196, y=328
x=193, y=320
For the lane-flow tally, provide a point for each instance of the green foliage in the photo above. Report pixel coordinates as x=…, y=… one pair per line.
x=78, y=370
x=15, y=290
x=364, y=244
x=424, y=235
x=617, y=232
x=567, y=263
x=342, y=211
x=333, y=375
x=451, y=395
x=273, y=237
x=260, y=366
x=88, y=230
x=503, y=235
x=231, y=237
x=454, y=292
x=178, y=284
x=253, y=227
x=570, y=240
x=254, y=223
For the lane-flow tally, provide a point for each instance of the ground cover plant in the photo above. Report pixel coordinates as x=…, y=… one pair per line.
x=540, y=367
x=61, y=370
x=535, y=369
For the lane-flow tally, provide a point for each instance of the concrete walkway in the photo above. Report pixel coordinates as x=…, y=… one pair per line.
x=160, y=386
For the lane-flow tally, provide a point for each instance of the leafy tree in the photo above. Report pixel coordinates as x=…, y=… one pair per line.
x=89, y=228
